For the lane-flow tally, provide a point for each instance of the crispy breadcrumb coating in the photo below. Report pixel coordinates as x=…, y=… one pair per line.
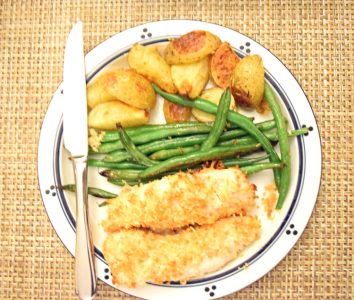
x=269, y=198
x=137, y=256
x=182, y=199
x=95, y=139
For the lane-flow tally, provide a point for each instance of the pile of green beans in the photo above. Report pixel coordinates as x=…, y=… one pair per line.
x=234, y=117
x=160, y=133
x=271, y=135
x=137, y=155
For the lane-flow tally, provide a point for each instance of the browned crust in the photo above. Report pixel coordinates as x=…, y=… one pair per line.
x=175, y=113
x=172, y=202
x=222, y=64
x=190, y=42
x=241, y=97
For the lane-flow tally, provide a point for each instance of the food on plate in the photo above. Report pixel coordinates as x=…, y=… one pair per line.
x=138, y=256
x=172, y=202
x=248, y=81
x=185, y=207
x=284, y=145
x=191, y=47
x=220, y=122
x=222, y=65
x=176, y=113
x=232, y=116
x=124, y=85
x=269, y=198
x=147, y=61
x=106, y=115
x=190, y=79
x=213, y=95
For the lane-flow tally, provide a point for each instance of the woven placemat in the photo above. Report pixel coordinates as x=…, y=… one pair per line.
x=315, y=41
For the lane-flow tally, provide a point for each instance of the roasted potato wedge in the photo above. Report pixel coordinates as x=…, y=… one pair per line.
x=248, y=81
x=148, y=62
x=124, y=85
x=175, y=113
x=213, y=95
x=191, y=47
x=222, y=65
x=190, y=79
x=106, y=115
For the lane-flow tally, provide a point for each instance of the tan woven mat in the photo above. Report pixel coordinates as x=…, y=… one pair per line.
x=314, y=39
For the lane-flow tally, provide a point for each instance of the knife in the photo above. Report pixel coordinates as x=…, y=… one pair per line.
x=75, y=141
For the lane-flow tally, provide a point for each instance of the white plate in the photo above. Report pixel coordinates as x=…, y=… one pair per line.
x=278, y=234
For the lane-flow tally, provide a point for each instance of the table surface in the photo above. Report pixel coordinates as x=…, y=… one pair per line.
x=315, y=41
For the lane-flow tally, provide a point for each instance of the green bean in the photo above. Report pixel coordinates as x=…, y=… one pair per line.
x=283, y=144
x=298, y=132
x=220, y=121
x=168, y=153
x=111, y=136
x=245, y=167
x=132, y=149
x=114, y=165
x=121, y=174
x=122, y=182
x=271, y=135
x=242, y=161
x=260, y=167
x=234, y=117
x=196, y=157
x=119, y=155
x=263, y=126
x=153, y=136
x=91, y=191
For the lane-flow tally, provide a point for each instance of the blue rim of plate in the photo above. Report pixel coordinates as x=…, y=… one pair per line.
x=301, y=148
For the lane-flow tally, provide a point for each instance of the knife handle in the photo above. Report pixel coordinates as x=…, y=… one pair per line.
x=85, y=275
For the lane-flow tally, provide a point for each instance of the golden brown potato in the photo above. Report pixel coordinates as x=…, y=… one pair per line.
x=222, y=65
x=175, y=113
x=213, y=95
x=191, y=47
x=190, y=79
x=106, y=115
x=124, y=85
x=248, y=81
x=148, y=62
x=97, y=92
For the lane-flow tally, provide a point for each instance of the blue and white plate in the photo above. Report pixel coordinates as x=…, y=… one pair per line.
x=279, y=234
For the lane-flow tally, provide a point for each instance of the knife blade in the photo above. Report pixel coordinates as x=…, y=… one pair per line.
x=75, y=103
x=76, y=142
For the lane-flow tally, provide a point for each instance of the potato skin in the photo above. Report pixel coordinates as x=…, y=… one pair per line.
x=222, y=65
x=148, y=62
x=175, y=113
x=124, y=85
x=106, y=115
x=190, y=79
x=191, y=47
x=248, y=81
x=213, y=95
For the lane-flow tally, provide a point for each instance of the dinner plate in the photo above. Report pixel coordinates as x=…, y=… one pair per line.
x=279, y=233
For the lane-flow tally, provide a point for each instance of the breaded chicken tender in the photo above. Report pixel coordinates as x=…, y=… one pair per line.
x=137, y=256
x=182, y=199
